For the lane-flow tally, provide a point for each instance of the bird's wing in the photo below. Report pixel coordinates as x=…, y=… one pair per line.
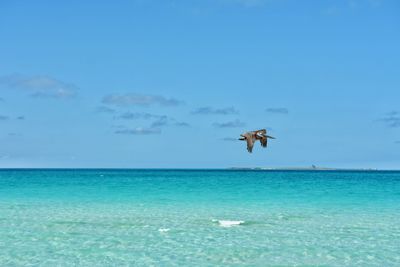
x=264, y=141
x=250, y=142
x=250, y=145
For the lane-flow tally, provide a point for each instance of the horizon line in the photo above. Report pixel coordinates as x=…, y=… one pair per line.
x=322, y=169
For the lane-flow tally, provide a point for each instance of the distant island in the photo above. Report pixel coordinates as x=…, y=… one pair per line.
x=307, y=168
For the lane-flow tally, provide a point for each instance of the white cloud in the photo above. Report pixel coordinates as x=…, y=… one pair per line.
x=215, y=111
x=159, y=120
x=277, y=110
x=139, y=100
x=230, y=124
x=139, y=131
x=40, y=86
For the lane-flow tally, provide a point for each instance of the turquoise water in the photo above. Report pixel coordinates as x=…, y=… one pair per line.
x=199, y=218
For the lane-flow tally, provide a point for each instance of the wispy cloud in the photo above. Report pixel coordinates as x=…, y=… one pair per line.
x=169, y=122
x=14, y=134
x=181, y=124
x=4, y=157
x=230, y=124
x=40, y=86
x=391, y=119
x=104, y=109
x=215, y=111
x=159, y=120
x=393, y=113
x=139, y=131
x=230, y=139
x=139, y=100
x=1, y=99
x=397, y=142
x=3, y=118
x=139, y=115
x=278, y=110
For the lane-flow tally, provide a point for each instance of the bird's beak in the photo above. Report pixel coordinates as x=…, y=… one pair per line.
x=271, y=137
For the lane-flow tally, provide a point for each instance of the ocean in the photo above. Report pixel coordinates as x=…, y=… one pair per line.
x=199, y=218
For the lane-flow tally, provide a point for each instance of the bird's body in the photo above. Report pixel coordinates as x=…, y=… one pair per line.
x=254, y=136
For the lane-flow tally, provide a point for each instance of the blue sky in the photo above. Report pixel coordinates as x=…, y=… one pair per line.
x=162, y=84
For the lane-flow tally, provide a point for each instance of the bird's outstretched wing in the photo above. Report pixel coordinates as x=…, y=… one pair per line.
x=264, y=141
x=250, y=145
x=250, y=142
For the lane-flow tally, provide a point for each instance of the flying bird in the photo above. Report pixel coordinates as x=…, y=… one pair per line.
x=254, y=136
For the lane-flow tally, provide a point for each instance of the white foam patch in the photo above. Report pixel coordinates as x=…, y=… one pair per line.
x=226, y=223
x=163, y=230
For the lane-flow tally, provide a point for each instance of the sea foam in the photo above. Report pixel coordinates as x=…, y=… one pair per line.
x=226, y=223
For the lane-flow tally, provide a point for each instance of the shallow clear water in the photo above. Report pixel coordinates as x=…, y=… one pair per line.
x=192, y=218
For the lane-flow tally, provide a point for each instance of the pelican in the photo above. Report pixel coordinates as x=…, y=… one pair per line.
x=253, y=136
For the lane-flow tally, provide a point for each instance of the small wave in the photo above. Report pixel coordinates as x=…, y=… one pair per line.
x=226, y=223
x=163, y=230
